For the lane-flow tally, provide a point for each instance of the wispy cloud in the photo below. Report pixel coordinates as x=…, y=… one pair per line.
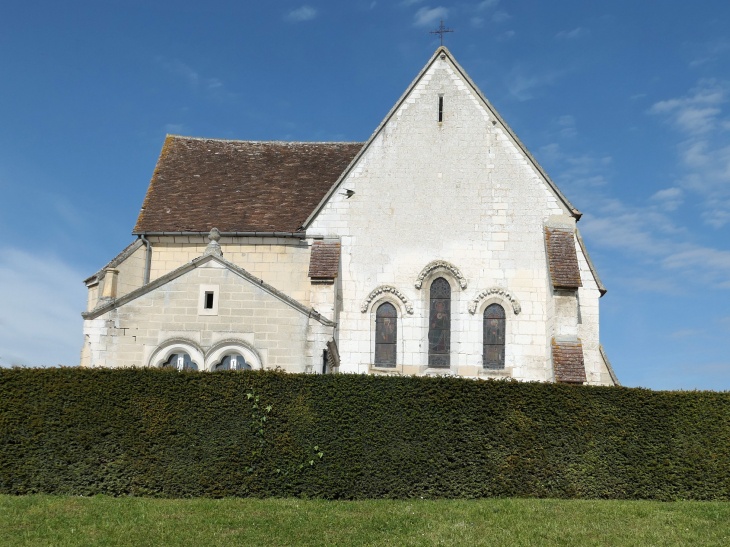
x=410, y=2
x=501, y=17
x=567, y=126
x=305, y=13
x=704, y=145
x=212, y=87
x=426, y=16
x=572, y=34
x=484, y=4
x=40, y=318
x=522, y=83
x=669, y=199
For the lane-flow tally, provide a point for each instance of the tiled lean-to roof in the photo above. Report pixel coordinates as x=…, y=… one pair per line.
x=324, y=261
x=239, y=186
x=563, y=259
x=568, y=362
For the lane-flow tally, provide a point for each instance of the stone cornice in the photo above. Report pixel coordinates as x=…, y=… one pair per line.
x=474, y=304
x=435, y=265
x=383, y=289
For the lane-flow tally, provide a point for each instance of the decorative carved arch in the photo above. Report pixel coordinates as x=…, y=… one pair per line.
x=440, y=264
x=474, y=304
x=386, y=289
x=228, y=346
x=168, y=347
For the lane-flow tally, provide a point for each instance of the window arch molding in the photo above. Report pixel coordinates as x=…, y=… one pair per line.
x=402, y=311
x=230, y=347
x=177, y=345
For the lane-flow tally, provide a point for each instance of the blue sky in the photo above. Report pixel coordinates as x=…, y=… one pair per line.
x=626, y=104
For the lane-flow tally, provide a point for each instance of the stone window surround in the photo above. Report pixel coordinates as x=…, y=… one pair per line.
x=400, y=308
x=215, y=289
x=509, y=322
x=458, y=301
x=162, y=353
x=230, y=347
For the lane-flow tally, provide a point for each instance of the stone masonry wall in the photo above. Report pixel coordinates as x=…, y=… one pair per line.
x=459, y=191
x=129, y=335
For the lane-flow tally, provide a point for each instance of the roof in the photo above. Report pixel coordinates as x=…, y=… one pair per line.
x=114, y=262
x=601, y=288
x=324, y=260
x=568, y=362
x=239, y=186
x=443, y=50
x=196, y=263
x=563, y=259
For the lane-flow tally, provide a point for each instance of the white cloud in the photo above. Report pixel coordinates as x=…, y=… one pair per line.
x=487, y=4
x=178, y=68
x=477, y=21
x=669, y=199
x=426, y=16
x=506, y=35
x=572, y=34
x=410, y=2
x=522, y=84
x=501, y=17
x=704, y=145
x=567, y=125
x=41, y=300
x=305, y=13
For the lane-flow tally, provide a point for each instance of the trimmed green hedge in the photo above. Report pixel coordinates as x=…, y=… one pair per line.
x=163, y=433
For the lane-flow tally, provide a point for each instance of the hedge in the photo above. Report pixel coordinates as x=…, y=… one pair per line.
x=149, y=432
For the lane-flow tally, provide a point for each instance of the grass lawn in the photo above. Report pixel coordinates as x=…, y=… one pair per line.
x=59, y=520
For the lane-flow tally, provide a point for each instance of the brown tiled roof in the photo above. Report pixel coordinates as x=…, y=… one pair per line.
x=568, y=362
x=564, y=269
x=325, y=260
x=239, y=186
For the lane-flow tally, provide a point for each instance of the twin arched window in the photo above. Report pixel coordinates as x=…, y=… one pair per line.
x=180, y=361
x=439, y=331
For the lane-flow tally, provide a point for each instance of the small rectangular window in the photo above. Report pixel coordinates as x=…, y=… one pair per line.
x=208, y=300
x=441, y=109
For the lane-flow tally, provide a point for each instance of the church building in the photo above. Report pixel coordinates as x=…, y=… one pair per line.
x=437, y=247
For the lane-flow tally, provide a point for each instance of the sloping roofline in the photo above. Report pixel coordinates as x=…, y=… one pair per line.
x=190, y=266
x=575, y=212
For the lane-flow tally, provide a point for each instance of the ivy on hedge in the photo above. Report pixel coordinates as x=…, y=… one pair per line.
x=154, y=432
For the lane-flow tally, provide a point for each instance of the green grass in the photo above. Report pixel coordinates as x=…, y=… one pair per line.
x=60, y=520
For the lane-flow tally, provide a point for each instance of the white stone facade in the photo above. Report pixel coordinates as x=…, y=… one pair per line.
x=459, y=199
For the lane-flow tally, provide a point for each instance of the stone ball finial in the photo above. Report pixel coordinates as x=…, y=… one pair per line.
x=213, y=247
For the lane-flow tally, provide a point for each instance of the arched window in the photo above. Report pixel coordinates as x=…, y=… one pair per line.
x=494, y=327
x=180, y=361
x=233, y=362
x=439, y=324
x=386, y=332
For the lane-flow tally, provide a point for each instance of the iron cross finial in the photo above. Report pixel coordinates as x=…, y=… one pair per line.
x=441, y=30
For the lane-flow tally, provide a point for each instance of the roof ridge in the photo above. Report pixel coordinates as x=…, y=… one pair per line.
x=260, y=142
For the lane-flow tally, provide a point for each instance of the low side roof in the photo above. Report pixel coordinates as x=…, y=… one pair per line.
x=239, y=186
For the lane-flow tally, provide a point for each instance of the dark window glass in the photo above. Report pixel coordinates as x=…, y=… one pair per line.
x=494, y=327
x=180, y=361
x=209, y=301
x=386, y=319
x=441, y=109
x=233, y=362
x=439, y=324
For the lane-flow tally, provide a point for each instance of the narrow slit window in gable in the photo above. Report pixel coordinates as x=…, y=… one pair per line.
x=208, y=300
x=441, y=108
